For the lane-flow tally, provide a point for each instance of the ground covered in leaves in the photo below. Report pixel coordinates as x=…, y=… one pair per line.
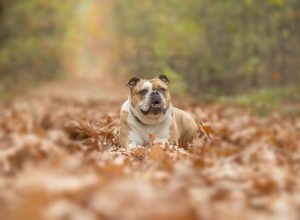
x=60, y=159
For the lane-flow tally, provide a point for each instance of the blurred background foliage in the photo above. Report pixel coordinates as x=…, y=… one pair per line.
x=31, y=46
x=219, y=47
x=205, y=47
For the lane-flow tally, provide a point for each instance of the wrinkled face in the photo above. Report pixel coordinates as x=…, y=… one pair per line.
x=150, y=98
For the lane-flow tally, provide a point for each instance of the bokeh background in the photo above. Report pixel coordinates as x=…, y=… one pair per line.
x=234, y=66
x=240, y=51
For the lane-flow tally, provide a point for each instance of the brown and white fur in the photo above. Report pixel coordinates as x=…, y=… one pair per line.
x=148, y=110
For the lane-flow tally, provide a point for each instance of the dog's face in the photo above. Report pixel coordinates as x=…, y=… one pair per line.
x=150, y=99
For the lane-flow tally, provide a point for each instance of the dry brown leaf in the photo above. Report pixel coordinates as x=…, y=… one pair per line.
x=60, y=159
x=156, y=152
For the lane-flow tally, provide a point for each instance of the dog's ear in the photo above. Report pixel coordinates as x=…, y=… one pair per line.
x=132, y=82
x=164, y=79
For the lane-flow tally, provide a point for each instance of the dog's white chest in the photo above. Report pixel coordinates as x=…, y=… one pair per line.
x=139, y=132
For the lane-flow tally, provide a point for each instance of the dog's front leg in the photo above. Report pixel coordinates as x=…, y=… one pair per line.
x=128, y=137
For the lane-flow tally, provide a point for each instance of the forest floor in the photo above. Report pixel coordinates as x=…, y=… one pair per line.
x=60, y=159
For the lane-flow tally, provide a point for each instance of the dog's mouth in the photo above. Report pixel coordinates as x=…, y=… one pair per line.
x=155, y=109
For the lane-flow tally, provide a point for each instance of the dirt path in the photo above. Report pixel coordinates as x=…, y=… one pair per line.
x=105, y=88
x=60, y=159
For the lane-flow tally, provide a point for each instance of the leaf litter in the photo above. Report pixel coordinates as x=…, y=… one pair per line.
x=60, y=159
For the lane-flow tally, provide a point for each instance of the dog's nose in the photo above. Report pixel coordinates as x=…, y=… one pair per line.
x=155, y=99
x=154, y=93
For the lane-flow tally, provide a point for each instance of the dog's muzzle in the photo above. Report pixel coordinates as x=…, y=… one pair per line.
x=156, y=104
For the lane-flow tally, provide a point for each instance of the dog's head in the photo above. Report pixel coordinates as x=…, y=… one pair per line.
x=150, y=99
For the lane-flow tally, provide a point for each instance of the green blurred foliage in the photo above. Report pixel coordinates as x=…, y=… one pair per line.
x=264, y=100
x=31, y=35
x=217, y=46
x=204, y=46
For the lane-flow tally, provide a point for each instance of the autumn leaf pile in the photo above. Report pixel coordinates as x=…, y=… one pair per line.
x=60, y=159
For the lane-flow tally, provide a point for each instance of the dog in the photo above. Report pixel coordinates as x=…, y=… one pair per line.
x=149, y=110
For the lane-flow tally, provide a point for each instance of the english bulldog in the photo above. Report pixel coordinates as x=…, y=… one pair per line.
x=149, y=110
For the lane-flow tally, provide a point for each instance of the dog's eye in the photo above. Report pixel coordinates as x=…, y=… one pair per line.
x=143, y=92
x=162, y=90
